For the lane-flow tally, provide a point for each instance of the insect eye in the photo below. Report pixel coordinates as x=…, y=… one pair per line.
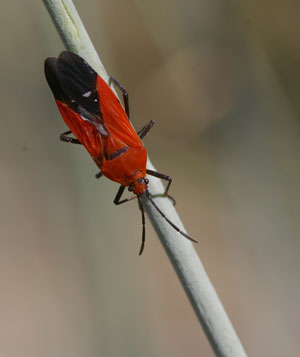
x=146, y=181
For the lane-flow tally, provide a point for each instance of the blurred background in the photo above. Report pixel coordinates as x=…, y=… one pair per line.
x=221, y=79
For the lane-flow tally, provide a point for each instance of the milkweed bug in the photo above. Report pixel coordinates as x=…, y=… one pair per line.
x=98, y=121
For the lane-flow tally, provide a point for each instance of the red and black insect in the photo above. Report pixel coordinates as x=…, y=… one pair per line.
x=98, y=121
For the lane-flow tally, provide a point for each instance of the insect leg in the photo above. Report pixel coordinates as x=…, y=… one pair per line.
x=119, y=195
x=167, y=219
x=144, y=131
x=163, y=177
x=98, y=174
x=124, y=92
x=143, y=224
x=141, y=207
x=65, y=137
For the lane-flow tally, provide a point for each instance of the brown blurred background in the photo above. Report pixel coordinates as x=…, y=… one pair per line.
x=222, y=82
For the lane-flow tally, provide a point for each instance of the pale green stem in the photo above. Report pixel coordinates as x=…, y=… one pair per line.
x=181, y=252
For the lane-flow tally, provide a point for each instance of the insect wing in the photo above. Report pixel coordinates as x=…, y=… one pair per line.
x=86, y=132
x=68, y=76
x=89, y=107
x=77, y=80
x=122, y=134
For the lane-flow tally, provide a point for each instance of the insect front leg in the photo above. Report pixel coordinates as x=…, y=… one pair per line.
x=65, y=137
x=119, y=195
x=163, y=177
x=118, y=201
x=124, y=93
x=141, y=207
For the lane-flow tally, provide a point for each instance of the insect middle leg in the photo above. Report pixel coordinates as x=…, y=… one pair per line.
x=124, y=93
x=118, y=201
x=163, y=177
x=144, y=131
x=65, y=137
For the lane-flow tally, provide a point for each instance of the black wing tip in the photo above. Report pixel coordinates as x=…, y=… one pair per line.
x=50, y=68
x=54, y=66
x=70, y=77
x=73, y=59
x=68, y=55
x=67, y=60
x=61, y=56
x=65, y=56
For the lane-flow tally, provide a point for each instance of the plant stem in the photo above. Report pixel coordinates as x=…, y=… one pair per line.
x=207, y=306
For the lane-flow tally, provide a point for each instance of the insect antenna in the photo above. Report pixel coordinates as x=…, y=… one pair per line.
x=143, y=223
x=167, y=219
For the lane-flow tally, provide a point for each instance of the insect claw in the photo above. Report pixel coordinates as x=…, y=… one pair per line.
x=172, y=199
x=98, y=175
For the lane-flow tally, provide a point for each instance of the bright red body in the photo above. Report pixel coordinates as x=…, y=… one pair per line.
x=97, y=119
x=129, y=165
